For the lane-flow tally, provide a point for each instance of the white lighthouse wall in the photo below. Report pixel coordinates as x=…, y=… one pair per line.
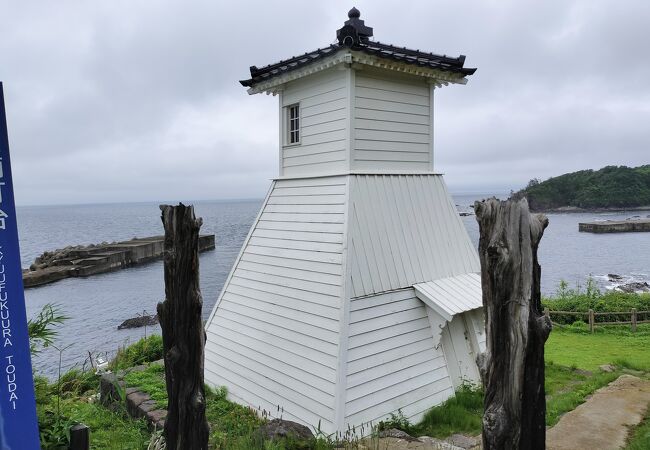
x=392, y=123
x=324, y=135
x=392, y=361
x=404, y=229
x=273, y=337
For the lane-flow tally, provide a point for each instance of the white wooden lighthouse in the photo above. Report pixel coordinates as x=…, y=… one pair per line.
x=357, y=291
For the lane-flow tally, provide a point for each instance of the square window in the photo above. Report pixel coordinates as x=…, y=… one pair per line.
x=293, y=122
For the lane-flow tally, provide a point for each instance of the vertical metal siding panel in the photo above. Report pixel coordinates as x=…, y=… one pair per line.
x=404, y=238
x=425, y=250
x=433, y=232
x=374, y=187
x=407, y=218
x=405, y=267
x=459, y=235
x=466, y=247
x=363, y=205
x=444, y=237
x=387, y=212
x=367, y=266
x=357, y=278
x=408, y=231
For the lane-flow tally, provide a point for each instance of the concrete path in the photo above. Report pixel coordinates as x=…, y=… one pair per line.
x=603, y=421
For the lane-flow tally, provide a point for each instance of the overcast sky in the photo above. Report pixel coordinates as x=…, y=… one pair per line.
x=137, y=101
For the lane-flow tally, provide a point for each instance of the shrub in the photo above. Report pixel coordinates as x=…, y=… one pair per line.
x=582, y=300
x=146, y=350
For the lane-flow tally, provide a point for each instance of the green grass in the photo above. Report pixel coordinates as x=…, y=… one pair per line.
x=232, y=425
x=144, y=351
x=152, y=381
x=108, y=429
x=567, y=388
x=459, y=414
x=588, y=351
x=639, y=439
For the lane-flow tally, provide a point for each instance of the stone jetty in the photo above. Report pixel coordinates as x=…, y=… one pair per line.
x=615, y=226
x=83, y=261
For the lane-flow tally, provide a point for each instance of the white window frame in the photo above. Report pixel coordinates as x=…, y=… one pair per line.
x=293, y=135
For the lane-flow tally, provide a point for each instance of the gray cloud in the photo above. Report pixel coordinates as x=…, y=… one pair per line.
x=117, y=101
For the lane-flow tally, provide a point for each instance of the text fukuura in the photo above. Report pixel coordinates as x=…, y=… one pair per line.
x=3, y=215
x=5, y=317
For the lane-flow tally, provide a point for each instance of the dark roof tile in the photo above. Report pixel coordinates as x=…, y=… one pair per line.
x=355, y=35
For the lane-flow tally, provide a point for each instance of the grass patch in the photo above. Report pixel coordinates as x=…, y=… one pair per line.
x=231, y=425
x=588, y=351
x=639, y=439
x=108, y=429
x=60, y=405
x=459, y=414
x=567, y=388
x=144, y=351
x=152, y=381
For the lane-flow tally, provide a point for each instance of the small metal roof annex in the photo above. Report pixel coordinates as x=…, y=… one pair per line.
x=453, y=295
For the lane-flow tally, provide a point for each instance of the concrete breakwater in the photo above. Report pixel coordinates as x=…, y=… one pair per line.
x=615, y=226
x=94, y=259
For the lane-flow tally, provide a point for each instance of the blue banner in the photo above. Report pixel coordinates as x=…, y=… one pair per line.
x=18, y=423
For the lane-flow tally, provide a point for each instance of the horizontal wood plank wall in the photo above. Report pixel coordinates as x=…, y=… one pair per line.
x=323, y=124
x=404, y=229
x=392, y=124
x=274, y=337
x=392, y=363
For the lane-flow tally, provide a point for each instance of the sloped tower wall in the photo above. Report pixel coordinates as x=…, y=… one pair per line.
x=319, y=318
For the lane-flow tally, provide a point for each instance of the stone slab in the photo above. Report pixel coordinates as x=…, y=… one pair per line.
x=604, y=420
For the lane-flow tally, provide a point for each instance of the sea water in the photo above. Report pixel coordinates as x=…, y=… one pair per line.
x=95, y=306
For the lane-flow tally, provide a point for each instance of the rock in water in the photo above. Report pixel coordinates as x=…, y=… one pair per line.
x=614, y=277
x=633, y=287
x=140, y=321
x=278, y=429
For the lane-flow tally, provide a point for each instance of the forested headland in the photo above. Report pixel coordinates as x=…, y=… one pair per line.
x=612, y=187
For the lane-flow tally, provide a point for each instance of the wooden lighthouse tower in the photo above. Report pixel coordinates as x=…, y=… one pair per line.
x=357, y=291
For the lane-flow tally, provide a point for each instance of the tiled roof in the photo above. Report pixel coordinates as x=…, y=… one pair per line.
x=355, y=36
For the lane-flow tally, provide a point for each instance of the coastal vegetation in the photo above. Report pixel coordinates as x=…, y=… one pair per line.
x=610, y=187
x=573, y=354
x=580, y=299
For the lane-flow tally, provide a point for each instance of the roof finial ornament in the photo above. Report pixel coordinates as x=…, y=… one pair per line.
x=354, y=13
x=354, y=32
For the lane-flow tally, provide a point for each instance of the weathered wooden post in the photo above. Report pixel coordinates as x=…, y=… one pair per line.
x=79, y=437
x=592, y=320
x=186, y=427
x=633, y=319
x=512, y=367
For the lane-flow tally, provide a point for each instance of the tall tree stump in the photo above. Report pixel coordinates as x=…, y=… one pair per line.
x=512, y=368
x=186, y=427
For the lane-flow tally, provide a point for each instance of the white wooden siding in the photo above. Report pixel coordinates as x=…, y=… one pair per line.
x=392, y=362
x=392, y=124
x=476, y=320
x=273, y=338
x=404, y=229
x=324, y=125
